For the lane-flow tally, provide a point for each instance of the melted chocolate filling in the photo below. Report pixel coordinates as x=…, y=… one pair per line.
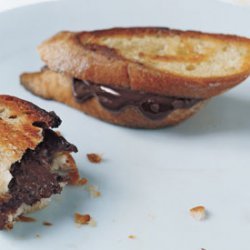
x=32, y=176
x=115, y=99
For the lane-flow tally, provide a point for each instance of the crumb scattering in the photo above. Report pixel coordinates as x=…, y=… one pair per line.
x=94, y=191
x=82, y=219
x=94, y=158
x=198, y=212
x=48, y=224
x=23, y=218
x=131, y=236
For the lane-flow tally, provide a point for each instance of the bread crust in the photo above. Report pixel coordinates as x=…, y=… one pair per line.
x=21, y=125
x=56, y=86
x=77, y=55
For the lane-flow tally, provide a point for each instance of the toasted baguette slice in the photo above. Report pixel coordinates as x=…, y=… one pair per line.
x=156, y=60
x=24, y=128
x=57, y=86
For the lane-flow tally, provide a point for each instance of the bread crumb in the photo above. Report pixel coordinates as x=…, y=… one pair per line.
x=93, y=190
x=131, y=236
x=46, y=223
x=82, y=219
x=82, y=182
x=72, y=170
x=23, y=218
x=9, y=226
x=94, y=158
x=198, y=213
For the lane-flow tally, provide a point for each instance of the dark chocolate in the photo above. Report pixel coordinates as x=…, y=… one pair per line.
x=32, y=176
x=153, y=106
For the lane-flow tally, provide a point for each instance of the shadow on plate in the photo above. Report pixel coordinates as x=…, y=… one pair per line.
x=224, y=114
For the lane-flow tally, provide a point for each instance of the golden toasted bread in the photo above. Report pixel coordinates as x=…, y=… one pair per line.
x=170, y=68
x=157, y=60
x=23, y=128
x=57, y=86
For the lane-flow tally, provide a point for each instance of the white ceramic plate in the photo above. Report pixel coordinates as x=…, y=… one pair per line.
x=149, y=179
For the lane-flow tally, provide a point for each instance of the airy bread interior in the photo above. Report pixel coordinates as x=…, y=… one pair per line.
x=189, y=53
x=26, y=157
x=181, y=54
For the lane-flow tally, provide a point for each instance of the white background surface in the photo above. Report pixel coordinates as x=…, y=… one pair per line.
x=10, y=4
x=149, y=179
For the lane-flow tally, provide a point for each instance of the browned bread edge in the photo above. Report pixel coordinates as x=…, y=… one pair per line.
x=34, y=113
x=21, y=127
x=66, y=52
x=56, y=86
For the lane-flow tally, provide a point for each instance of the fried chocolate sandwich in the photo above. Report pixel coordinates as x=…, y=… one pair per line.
x=139, y=77
x=35, y=161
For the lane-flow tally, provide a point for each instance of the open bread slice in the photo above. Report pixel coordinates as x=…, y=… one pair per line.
x=157, y=60
x=35, y=161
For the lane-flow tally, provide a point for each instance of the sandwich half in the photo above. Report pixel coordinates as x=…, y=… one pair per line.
x=139, y=77
x=35, y=162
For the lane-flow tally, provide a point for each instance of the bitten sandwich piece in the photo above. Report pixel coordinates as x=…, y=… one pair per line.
x=35, y=161
x=139, y=77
